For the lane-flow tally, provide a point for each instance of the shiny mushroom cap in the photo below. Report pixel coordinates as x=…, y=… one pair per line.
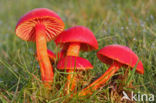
x=78, y=34
x=72, y=62
x=122, y=54
x=25, y=28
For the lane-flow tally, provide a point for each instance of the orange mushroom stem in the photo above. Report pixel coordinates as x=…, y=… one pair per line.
x=71, y=82
x=100, y=81
x=73, y=50
x=46, y=68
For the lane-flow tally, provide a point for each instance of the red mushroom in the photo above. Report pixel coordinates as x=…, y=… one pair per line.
x=73, y=63
x=40, y=25
x=115, y=56
x=51, y=55
x=75, y=39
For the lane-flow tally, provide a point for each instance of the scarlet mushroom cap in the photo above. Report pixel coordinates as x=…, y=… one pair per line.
x=72, y=62
x=51, y=55
x=122, y=55
x=78, y=34
x=25, y=28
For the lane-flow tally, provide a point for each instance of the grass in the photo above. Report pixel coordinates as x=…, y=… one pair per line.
x=127, y=22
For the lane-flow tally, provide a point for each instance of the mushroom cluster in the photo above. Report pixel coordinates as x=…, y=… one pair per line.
x=75, y=39
x=42, y=25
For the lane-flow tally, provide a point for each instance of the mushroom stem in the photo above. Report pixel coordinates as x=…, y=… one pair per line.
x=101, y=80
x=45, y=65
x=73, y=49
x=71, y=82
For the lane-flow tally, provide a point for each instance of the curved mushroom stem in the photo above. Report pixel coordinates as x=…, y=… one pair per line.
x=45, y=65
x=73, y=50
x=100, y=81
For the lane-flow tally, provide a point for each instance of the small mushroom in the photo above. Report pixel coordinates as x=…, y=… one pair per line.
x=75, y=39
x=116, y=56
x=41, y=25
x=73, y=63
x=51, y=55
